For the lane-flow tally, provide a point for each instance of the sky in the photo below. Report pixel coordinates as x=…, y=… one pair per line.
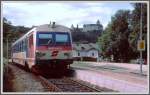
x=65, y=13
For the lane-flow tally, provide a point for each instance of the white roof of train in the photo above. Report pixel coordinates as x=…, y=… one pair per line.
x=50, y=28
x=45, y=28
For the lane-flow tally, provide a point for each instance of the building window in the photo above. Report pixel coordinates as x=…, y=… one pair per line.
x=92, y=54
x=82, y=48
x=78, y=53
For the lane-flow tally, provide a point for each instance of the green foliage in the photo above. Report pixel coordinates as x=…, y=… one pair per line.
x=10, y=34
x=105, y=40
x=120, y=21
x=114, y=40
x=121, y=35
x=135, y=26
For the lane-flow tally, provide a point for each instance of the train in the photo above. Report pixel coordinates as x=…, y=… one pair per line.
x=44, y=48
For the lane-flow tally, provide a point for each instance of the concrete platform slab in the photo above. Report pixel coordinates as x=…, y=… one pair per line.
x=123, y=81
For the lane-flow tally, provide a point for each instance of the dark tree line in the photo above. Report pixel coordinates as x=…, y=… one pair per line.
x=10, y=34
x=89, y=37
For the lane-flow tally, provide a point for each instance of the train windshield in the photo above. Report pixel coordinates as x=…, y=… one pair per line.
x=62, y=39
x=45, y=39
x=54, y=38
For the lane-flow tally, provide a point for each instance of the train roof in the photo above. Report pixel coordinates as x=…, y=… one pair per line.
x=51, y=28
x=45, y=28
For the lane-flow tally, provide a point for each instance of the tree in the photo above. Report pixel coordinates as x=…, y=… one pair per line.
x=121, y=36
x=120, y=46
x=105, y=40
x=11, y=33
x=135, y=27
x=114, y=40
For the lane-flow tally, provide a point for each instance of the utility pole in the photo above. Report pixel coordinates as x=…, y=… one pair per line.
x=7, y=51
x=141, y=61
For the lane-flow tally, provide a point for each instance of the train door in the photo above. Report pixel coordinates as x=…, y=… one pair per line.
x=30, y=47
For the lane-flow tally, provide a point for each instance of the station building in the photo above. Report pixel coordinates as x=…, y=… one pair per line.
x=86, y=52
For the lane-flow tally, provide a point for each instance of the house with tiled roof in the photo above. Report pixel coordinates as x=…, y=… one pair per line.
x=86, y=52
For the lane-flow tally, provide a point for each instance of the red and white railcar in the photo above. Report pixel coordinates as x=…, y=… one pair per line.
x=47, y=46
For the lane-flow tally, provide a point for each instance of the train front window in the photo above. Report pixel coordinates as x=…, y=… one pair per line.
x=62, y=38
x=45, y=39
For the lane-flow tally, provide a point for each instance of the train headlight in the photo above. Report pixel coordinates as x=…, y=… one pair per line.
x=40, y=54
x=67, y=55
x=36, y=51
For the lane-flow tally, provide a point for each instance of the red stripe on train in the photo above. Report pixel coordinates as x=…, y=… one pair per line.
x=54, y=48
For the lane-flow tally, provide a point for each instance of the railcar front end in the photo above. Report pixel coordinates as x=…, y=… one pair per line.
x=53, y=51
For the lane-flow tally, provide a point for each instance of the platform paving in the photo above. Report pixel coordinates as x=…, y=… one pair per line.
x=121, y=77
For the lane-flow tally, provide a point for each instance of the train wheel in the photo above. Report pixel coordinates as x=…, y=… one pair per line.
x=35, y=70
x=27, y=67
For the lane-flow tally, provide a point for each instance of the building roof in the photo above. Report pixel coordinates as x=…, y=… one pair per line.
x=85, y=47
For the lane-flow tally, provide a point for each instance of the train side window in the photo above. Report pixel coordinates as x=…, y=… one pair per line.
x=13, y=48
x=16, y=47
x=19, y=47
x=23, y=45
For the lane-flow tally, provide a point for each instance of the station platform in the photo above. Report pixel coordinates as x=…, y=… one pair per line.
x=122, y=77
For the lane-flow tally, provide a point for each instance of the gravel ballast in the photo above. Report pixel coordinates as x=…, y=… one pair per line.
x=18, y=80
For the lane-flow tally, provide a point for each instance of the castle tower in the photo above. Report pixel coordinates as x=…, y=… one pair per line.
x=72, y=27
x=98, y=22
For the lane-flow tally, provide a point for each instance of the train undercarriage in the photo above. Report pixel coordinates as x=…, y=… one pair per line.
x=55, y=67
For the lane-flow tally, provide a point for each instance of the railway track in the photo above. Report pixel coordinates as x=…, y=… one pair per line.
x=68, y=85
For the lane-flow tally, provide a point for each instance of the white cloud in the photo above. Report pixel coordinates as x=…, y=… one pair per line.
x=29, y=14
